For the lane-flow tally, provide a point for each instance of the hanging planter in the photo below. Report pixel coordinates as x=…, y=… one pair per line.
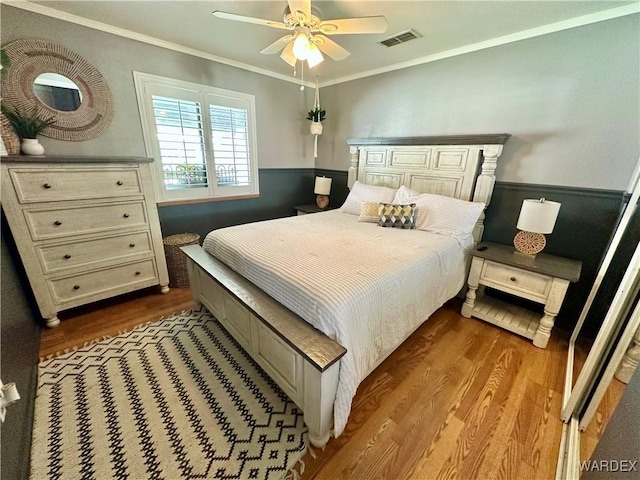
x=316, y=115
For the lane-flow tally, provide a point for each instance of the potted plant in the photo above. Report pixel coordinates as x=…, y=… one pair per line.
x=28, y=126
x=317, y=115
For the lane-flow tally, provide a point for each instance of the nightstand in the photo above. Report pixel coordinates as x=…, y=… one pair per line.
x=542, y=279
x=311, y=208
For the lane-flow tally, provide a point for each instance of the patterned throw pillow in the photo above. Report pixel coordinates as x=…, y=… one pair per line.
x=397, y=216
x=369, y=212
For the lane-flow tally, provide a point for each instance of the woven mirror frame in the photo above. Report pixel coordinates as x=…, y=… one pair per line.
x=30, y=58
x=10, y=139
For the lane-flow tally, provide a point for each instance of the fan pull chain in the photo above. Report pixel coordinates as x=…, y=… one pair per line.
x=301, y=75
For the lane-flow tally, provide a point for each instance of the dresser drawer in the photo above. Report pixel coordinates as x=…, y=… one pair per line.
x=74, y=184
x=516, y=280
x=101, y=282
x=54, y=223
x=90, y=252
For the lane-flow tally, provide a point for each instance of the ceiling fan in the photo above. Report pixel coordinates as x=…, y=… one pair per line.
x=308, y=37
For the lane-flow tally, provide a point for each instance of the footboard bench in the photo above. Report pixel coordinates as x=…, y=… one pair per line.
x=300, y=359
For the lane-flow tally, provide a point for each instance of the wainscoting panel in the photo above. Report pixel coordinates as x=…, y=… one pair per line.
x=280, y=190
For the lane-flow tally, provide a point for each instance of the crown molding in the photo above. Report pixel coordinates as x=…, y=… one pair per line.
x=495, y=42
x=121, y=32
x=604, y=15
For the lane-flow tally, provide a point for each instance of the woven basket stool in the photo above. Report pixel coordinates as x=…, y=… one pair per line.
x=176, y=259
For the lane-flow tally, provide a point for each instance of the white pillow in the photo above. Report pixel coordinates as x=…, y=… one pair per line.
x=439, y=214
x=361, y=193
x=404, y=193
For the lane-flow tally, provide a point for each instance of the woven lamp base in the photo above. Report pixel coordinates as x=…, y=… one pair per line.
x=176, y=259
x=529, y=243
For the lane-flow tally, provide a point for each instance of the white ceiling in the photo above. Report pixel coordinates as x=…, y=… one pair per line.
x=447, y=28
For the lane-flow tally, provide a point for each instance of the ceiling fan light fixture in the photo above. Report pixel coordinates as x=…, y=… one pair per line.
x=315, y=56
x=301, y=47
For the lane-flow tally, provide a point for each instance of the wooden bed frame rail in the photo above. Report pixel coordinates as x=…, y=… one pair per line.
x=300, y=359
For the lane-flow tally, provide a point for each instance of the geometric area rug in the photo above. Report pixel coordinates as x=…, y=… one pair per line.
x=176, y=399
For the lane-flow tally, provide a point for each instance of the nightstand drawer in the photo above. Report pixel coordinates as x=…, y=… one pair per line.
x=516, y=280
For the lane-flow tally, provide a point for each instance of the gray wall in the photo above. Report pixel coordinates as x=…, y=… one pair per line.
x=569, y=99
x=283, y=139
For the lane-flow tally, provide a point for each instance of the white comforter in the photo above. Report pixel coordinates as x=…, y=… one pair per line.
x=365, y=286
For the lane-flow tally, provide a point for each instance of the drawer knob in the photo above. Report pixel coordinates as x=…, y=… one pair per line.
x=47, y=185
x=126, y=215
x=513, y=279
x=119, y=182
x=57, y=223
x=131, y=245
x=76, y=287
x=137, y=273
x=67, y=256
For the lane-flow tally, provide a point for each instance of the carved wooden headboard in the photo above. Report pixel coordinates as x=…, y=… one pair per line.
x=461, y=166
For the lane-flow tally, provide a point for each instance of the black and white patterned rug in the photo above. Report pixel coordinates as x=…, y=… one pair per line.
x=177, y=399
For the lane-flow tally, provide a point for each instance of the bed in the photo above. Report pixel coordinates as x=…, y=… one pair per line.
x=319, y=301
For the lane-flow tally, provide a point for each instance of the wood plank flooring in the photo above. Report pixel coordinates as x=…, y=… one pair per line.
x=83, y=325
x=459, y=399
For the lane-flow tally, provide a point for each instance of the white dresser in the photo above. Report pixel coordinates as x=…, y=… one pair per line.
x=86, y=228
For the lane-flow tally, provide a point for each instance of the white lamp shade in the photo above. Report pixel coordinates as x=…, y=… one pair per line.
x=301, y=46
x=323, y=186
x=538, y=216
x=315, y=56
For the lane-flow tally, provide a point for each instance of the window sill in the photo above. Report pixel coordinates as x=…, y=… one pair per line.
x=189, y=201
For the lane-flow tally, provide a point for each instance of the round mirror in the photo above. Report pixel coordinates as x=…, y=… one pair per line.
x=57, y=91
x=57, y=82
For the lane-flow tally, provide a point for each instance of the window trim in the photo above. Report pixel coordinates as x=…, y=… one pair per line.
x=213, y=192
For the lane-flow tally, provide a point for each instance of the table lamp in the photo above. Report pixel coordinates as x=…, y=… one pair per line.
x=537, y=217
x=322, y=189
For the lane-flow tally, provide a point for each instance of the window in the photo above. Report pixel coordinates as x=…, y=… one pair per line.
x=202, y=138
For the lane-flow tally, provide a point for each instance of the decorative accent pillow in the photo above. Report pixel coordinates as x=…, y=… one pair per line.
x=397, y=216
x=361, y=193
x=369, y=212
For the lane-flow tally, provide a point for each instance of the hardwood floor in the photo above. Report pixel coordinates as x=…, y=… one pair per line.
x=91, y=322
x=459, y=399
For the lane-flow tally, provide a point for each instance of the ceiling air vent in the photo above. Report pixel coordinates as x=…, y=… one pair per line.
x=401, y=37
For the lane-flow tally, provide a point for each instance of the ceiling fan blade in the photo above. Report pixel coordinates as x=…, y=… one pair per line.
x=257, y=21
x=301, y=9
x=346, y=26
x=330, y=47
x=276, y=46
x=288, y=56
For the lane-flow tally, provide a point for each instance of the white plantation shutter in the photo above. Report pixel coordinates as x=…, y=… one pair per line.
x=181, y=141
x=230, y=134
x=202, y=138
